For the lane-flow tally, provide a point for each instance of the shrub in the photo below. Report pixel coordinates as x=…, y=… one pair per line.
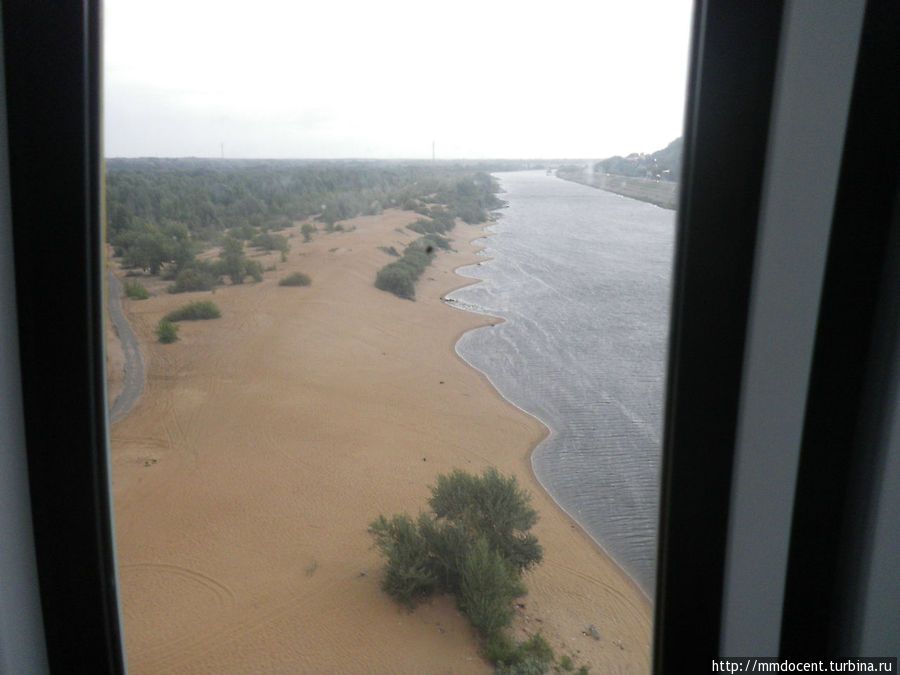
x=271, y=242
x=488, y=586
x=136, y=290
x=422, y=226
x=494, y=505
x=194, y=279
x=437, y=241
x=538, y=648
x=195, y=311
x=416, y=258
x=441, y=221
x=307, y=231
x=296, y=279
x=233, y=259
x=166, y=331
x=532, y=656
x=471, y=213
x=390, y=250
x=463, y=548
x=278, y=223
x=245, y=231
x=408, y=576
x=501, y=650
x=397, y=279
x=448, y=546
x=254, y=269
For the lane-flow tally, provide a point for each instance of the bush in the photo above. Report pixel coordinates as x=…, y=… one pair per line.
x=408, y=576
x=278, y=223
x=494, y=505
x=307, y=231
x=166, y=331
x=422, y=226
x=242, y=232
x=437, y=241
x=136, y=290
x=271, y=242
x=194, y=279
x=390, y=250
x=471, y=213
x=441, y=221
x=416, y=258
x=195, y=311
x=254, y=269
x=488, y=586
x=233, y=260
x=296, y=279
x=501, y=650
x=532, y=656
x=397, y=279
x=462, y=548
x=537, y=648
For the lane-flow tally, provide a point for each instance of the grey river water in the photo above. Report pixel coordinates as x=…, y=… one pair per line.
x=582, y=278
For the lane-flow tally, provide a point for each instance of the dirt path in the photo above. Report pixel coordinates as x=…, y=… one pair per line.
x=133, y=382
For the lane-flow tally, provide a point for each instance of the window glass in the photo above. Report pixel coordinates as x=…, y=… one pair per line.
x=374, y=259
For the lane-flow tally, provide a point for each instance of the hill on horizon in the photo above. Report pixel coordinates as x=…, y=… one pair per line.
x=663, y=164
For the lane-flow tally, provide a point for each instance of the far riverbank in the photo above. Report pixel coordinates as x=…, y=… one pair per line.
x=661, y=193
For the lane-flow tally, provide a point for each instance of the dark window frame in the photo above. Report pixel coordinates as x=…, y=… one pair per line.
x=53, y=89
x=53, y=85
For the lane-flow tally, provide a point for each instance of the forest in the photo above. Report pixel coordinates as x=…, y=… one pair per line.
x=663, y=164
x=162, y=212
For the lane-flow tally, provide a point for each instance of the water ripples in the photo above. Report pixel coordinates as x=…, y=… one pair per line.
x=581, y=277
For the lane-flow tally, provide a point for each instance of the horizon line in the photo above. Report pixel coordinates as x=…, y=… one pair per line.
x=353, y=159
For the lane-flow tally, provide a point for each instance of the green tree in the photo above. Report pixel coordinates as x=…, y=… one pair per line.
x=493, y=506
x=397, y=279
x=254, y=269
x=234, y=259
x=488, y=585
x=475, y=544
x=307, y=231
x=272, y=242
x=195, y=278
x=409, y=574
x=149, y=252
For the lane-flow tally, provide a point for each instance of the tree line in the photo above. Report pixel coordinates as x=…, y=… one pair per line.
x=162, y=212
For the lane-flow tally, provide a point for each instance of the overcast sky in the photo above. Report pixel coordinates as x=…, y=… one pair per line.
x=386, y=78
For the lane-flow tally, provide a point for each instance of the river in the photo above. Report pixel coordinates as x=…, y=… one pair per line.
x=582, y=278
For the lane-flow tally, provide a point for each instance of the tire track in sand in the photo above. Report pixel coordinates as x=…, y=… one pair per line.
x=224, y=595
x=176, y=655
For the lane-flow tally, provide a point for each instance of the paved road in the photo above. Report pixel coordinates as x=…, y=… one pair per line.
x=133, y=381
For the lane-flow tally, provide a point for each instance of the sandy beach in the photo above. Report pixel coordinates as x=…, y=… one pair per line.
x=266, y=441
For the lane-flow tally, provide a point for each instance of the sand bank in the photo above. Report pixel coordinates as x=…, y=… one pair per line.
x=267, y=440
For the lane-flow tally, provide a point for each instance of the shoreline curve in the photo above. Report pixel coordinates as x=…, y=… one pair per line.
x=549, y=433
